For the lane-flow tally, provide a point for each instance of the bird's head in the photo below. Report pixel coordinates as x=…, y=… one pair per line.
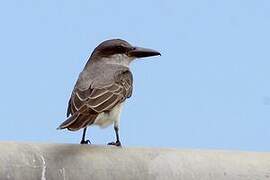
x=120, y=52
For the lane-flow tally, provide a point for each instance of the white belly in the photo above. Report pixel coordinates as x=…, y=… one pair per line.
x=105, y=119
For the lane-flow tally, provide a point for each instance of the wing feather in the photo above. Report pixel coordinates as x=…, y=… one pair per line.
x=85, y=105
x=95, y=102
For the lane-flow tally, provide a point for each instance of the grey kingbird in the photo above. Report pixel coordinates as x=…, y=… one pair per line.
x=102, y=87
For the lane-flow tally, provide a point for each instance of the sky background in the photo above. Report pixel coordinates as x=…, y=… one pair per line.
x=210, y=89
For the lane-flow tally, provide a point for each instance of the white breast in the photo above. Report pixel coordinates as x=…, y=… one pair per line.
x=105, y=119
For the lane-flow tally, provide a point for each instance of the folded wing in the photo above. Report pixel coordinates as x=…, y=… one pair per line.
x=85, y=105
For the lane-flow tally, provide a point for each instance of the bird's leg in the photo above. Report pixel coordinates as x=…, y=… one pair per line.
x=117, y=142
x=83, y=141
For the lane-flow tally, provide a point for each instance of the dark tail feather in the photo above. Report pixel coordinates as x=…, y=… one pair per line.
x=79, y=123
x=69, y=121
x=76, y=122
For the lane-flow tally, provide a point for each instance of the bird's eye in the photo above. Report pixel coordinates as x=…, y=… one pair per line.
x=120, y=49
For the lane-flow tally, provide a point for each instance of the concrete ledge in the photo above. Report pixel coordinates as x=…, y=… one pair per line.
x=30, y=161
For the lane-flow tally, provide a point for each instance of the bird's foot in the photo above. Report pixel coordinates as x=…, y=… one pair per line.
x=85, y=142
x=117, y=143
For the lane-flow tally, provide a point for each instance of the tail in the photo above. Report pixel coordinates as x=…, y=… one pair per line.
x=78, y=121
x=68, y=122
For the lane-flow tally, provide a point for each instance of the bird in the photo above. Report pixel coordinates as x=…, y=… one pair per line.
x=104, y=84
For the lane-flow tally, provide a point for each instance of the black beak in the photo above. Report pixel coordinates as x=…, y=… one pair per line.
x=139, y=52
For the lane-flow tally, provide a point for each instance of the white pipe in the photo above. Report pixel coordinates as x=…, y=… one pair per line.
x=31, y=161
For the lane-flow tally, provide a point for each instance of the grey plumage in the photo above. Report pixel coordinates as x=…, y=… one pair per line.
x=105, y=82
x=100, y=96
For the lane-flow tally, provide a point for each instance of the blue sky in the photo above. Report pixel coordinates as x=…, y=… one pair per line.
x=209, y=90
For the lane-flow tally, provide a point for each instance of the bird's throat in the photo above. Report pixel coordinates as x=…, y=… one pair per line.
x=119, y=59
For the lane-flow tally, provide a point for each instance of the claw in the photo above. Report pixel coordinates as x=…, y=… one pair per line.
x=117, y=143
x=85, y=142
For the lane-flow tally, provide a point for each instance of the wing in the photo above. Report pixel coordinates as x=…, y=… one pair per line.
x=85, y=105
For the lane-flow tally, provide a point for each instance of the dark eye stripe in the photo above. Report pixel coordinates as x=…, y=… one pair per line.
x=114, y=50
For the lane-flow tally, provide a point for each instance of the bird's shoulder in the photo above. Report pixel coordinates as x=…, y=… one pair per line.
x=103, y=91
x=98, y=75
